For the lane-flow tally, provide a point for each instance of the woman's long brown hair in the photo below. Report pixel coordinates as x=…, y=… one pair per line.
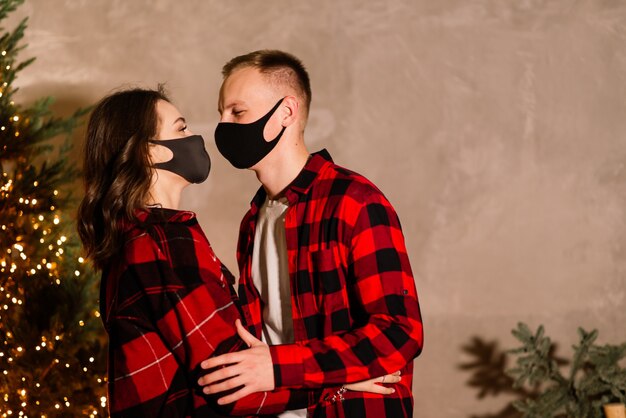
x=116, y=169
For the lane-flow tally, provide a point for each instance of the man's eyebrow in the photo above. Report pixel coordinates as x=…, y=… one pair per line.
x=229, y=105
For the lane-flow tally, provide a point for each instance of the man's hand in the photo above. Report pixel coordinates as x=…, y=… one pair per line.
x=251, y=368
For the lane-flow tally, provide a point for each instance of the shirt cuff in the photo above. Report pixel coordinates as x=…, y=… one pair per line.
x=288, y=365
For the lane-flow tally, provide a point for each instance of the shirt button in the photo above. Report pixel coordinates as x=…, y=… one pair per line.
x=405, y=292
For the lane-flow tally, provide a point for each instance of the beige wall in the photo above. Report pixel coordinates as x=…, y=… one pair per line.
x=497, y=129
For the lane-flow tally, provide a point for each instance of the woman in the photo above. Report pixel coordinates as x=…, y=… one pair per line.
x=166, y=300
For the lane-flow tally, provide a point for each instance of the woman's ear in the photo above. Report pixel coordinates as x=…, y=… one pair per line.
x=291, y=109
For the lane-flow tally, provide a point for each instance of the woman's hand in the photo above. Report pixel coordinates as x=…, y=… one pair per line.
x=376, y=385
x=251, y=368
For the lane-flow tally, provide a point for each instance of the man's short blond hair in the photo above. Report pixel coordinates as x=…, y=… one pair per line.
x=281, y=68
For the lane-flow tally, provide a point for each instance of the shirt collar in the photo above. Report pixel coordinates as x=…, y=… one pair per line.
x=302, y=183
x=157, y=215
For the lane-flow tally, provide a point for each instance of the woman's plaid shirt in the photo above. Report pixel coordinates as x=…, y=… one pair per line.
x=167, y=304
x=354, y=303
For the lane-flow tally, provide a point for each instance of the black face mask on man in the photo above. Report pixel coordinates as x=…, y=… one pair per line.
x=243, y=144
x=190, y=160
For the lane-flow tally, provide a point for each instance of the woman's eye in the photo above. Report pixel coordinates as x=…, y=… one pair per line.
x=183, y=128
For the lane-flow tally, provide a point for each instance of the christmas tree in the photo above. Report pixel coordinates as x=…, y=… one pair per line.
x=51, y=340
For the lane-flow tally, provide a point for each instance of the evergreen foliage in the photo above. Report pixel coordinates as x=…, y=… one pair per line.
x=52, y=345
x=596, y=376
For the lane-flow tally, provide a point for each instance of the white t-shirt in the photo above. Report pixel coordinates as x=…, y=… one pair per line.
x=270, y=275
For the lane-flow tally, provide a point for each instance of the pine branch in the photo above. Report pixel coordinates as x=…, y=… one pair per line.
x=535, y=363
x=595, y=376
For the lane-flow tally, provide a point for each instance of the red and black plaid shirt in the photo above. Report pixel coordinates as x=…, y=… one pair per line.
x=167, y=305
x=354, y=304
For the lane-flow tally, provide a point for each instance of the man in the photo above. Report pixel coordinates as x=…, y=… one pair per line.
x=325, y=277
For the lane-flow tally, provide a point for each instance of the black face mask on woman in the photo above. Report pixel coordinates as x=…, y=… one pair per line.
x=243, y=144
x=190, y=160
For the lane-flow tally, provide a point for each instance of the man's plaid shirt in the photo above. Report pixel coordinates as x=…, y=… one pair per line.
x=167, y=305
x=354, y=303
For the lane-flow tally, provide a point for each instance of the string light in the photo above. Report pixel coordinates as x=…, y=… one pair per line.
x=35, y=249
x=21, y=250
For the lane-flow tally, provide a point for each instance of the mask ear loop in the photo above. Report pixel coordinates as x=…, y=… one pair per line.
x=156, y=142
x=279, y=134
x=271, y=113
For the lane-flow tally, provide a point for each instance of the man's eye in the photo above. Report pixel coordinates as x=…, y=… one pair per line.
x=237, y=112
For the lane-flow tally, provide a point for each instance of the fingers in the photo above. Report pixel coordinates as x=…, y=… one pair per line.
x=222, y=386
x=381, y=390
x=371, y=386
x=221, y=374
x=247, y=338
x=376, y=385
x=389, y=378
x=222, y=360
x=384, y=390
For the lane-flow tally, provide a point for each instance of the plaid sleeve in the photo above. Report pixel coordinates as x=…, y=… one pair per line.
x=381, y=290
x=274, y=402
x=163, y=326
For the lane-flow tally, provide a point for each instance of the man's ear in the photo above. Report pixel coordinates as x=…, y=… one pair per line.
x=291, y=109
